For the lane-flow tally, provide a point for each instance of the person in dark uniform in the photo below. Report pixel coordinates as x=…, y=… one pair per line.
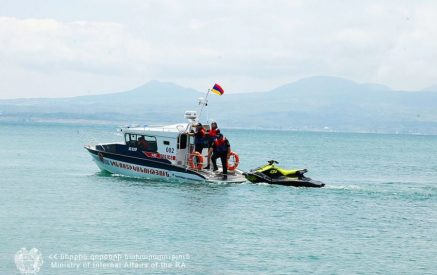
x=199, y=138
x=142, y=143
x=221, y=149
x=212, y=136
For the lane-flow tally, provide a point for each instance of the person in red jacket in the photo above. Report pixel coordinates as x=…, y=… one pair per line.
x=222, y=150
x=212, y=133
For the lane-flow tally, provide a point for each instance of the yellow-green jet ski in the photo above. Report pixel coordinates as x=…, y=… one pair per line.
x=272, y=174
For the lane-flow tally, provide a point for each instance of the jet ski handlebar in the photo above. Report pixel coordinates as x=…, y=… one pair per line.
x=270, y=162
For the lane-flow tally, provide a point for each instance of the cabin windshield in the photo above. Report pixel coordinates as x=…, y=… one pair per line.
x=143, y=142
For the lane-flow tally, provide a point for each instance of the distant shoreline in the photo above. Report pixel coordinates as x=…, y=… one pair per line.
x=94, y=122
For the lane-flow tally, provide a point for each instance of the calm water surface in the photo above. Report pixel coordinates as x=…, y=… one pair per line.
x=377, y=214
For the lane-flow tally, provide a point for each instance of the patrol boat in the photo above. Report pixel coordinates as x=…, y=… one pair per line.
x=161, y=152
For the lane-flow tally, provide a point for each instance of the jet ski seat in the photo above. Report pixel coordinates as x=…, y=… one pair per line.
x=298, y=172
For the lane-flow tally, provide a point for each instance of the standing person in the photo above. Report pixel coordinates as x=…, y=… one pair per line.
x=222, y=150
x=212, y=133
x=199, y=137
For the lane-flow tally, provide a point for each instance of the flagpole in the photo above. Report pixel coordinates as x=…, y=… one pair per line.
x=204, y=103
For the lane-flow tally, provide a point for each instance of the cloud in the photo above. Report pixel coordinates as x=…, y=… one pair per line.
x=50, y=45
x=47, y=57
x=413, y=57
x=283, y=41
x=245, y=45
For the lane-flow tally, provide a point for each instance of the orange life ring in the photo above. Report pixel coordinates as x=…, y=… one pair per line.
x=236, y=161
x=199, y=161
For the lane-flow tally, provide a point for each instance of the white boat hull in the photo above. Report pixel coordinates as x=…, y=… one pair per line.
x=139, y=171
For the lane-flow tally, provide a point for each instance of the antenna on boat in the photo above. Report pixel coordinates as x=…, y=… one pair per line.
x=203, y=102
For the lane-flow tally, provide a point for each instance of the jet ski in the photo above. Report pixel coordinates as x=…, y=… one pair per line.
x=272, y=174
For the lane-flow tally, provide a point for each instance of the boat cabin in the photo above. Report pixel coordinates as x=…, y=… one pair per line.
x=171, y=143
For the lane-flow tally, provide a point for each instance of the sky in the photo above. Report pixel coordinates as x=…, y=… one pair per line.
x=52, y=48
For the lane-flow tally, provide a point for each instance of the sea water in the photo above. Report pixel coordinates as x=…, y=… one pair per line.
x=376, y=215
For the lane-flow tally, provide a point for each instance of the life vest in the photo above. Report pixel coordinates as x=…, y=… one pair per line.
x=221, y=145
x=213, y=133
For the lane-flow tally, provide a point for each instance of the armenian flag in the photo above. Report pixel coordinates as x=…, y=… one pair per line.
x=217, y=89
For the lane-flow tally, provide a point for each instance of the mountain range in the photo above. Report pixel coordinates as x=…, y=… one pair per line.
x=320, y=103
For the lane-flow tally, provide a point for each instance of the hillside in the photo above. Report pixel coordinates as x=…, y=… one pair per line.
x=316, y=103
